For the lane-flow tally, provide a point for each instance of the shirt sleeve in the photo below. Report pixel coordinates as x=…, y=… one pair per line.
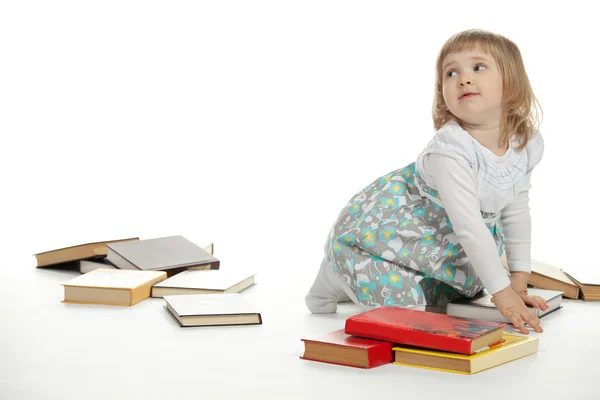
x=458, y=193
x=516, y=225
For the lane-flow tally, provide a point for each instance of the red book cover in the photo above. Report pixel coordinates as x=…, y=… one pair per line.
x=376, y=352
x=424, y=329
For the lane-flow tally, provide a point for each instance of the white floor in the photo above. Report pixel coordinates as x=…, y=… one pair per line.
x=51, y=350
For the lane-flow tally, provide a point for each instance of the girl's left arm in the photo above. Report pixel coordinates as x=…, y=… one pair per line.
x=516, y=225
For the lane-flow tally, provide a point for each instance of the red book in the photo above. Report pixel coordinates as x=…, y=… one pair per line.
x=340, y=348
x=425, y=329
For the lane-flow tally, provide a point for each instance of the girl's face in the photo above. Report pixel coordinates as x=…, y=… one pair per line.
x=472, y=87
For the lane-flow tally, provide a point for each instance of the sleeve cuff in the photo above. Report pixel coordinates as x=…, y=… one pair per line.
x=520, y=266
x=498, y=285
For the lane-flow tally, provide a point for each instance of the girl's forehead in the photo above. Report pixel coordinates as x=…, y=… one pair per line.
x=475, y=53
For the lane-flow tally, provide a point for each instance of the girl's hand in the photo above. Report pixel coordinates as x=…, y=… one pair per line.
x=512, y=306
x=518, y=281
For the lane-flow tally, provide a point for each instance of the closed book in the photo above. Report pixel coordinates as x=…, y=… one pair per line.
x=338, y=347
x=208, y=282
x=212, y=310
x=65, y=255
x=511, y=348
x=172, y=254
x=425, y=329
x=482, y=307
x=112, y=287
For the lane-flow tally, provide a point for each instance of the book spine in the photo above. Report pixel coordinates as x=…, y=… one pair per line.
x=400, y=335
x=380, y=355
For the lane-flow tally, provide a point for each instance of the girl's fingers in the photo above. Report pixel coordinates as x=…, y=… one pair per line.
x=532, y=301
x=533, y=321
x=542, y=303
x=516, y=320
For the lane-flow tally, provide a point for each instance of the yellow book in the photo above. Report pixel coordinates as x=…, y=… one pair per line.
x=512, y=348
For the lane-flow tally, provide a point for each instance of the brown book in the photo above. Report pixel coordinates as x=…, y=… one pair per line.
x=75, y=253
x=172, y=254
x=589, y=287
x=546, y=276
x=112, y=287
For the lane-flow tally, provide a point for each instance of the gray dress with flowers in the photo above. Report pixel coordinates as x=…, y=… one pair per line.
x=393, y=243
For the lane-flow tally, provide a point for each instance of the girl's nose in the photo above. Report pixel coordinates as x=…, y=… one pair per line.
x=466, y=81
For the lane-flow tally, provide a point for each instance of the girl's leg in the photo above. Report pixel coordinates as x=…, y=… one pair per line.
x=327, y=290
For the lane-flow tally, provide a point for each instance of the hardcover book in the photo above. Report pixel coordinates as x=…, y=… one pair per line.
x=511, y=348
x=172, y=254
x=113, y=287
x=209, y=282
x=546, y=276
x=482, y=307
x=212, y=310
x=75, y=253
x=425, y=329
x=337, y=347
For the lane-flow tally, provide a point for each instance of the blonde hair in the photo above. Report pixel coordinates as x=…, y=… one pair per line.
x=520, y=119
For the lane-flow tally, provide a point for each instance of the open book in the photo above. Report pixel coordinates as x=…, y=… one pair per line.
x=582, y=285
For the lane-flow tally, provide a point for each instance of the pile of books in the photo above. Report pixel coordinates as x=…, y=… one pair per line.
x=422, y=339
x=196, y=291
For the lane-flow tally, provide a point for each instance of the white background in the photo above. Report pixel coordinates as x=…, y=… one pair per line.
x=251, y=123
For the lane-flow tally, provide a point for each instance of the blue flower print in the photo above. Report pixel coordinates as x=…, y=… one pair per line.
x=450, y=251
x=419, y=212
x=385, y=179
x=337, y=249
x=360, y=220
x=404, y=222
x=469, y=281
x=421, y=257
x=427, y=238
x=387, y=234
x=391, y=202
x=404, y=252
x=348, y=239
x=392, y=278
x=365, y=288
x=354, y=208
x=397, y=188
x=448, y=272
x=369, y=237
x=408, y=173
x=389, y=301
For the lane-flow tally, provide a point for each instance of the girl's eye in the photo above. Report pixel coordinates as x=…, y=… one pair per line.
x=449, y=73
x=479, y=65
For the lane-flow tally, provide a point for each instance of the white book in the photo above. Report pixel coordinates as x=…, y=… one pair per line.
x=212, y=310
x=482, y=307
x=204, y=282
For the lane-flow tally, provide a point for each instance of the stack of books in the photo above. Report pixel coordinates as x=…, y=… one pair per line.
x=124, y=272
x=414, y=338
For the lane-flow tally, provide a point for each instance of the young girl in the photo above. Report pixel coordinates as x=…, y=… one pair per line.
x=435, y=230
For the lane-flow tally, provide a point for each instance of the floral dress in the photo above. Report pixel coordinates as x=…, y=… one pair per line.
x=393, y=242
